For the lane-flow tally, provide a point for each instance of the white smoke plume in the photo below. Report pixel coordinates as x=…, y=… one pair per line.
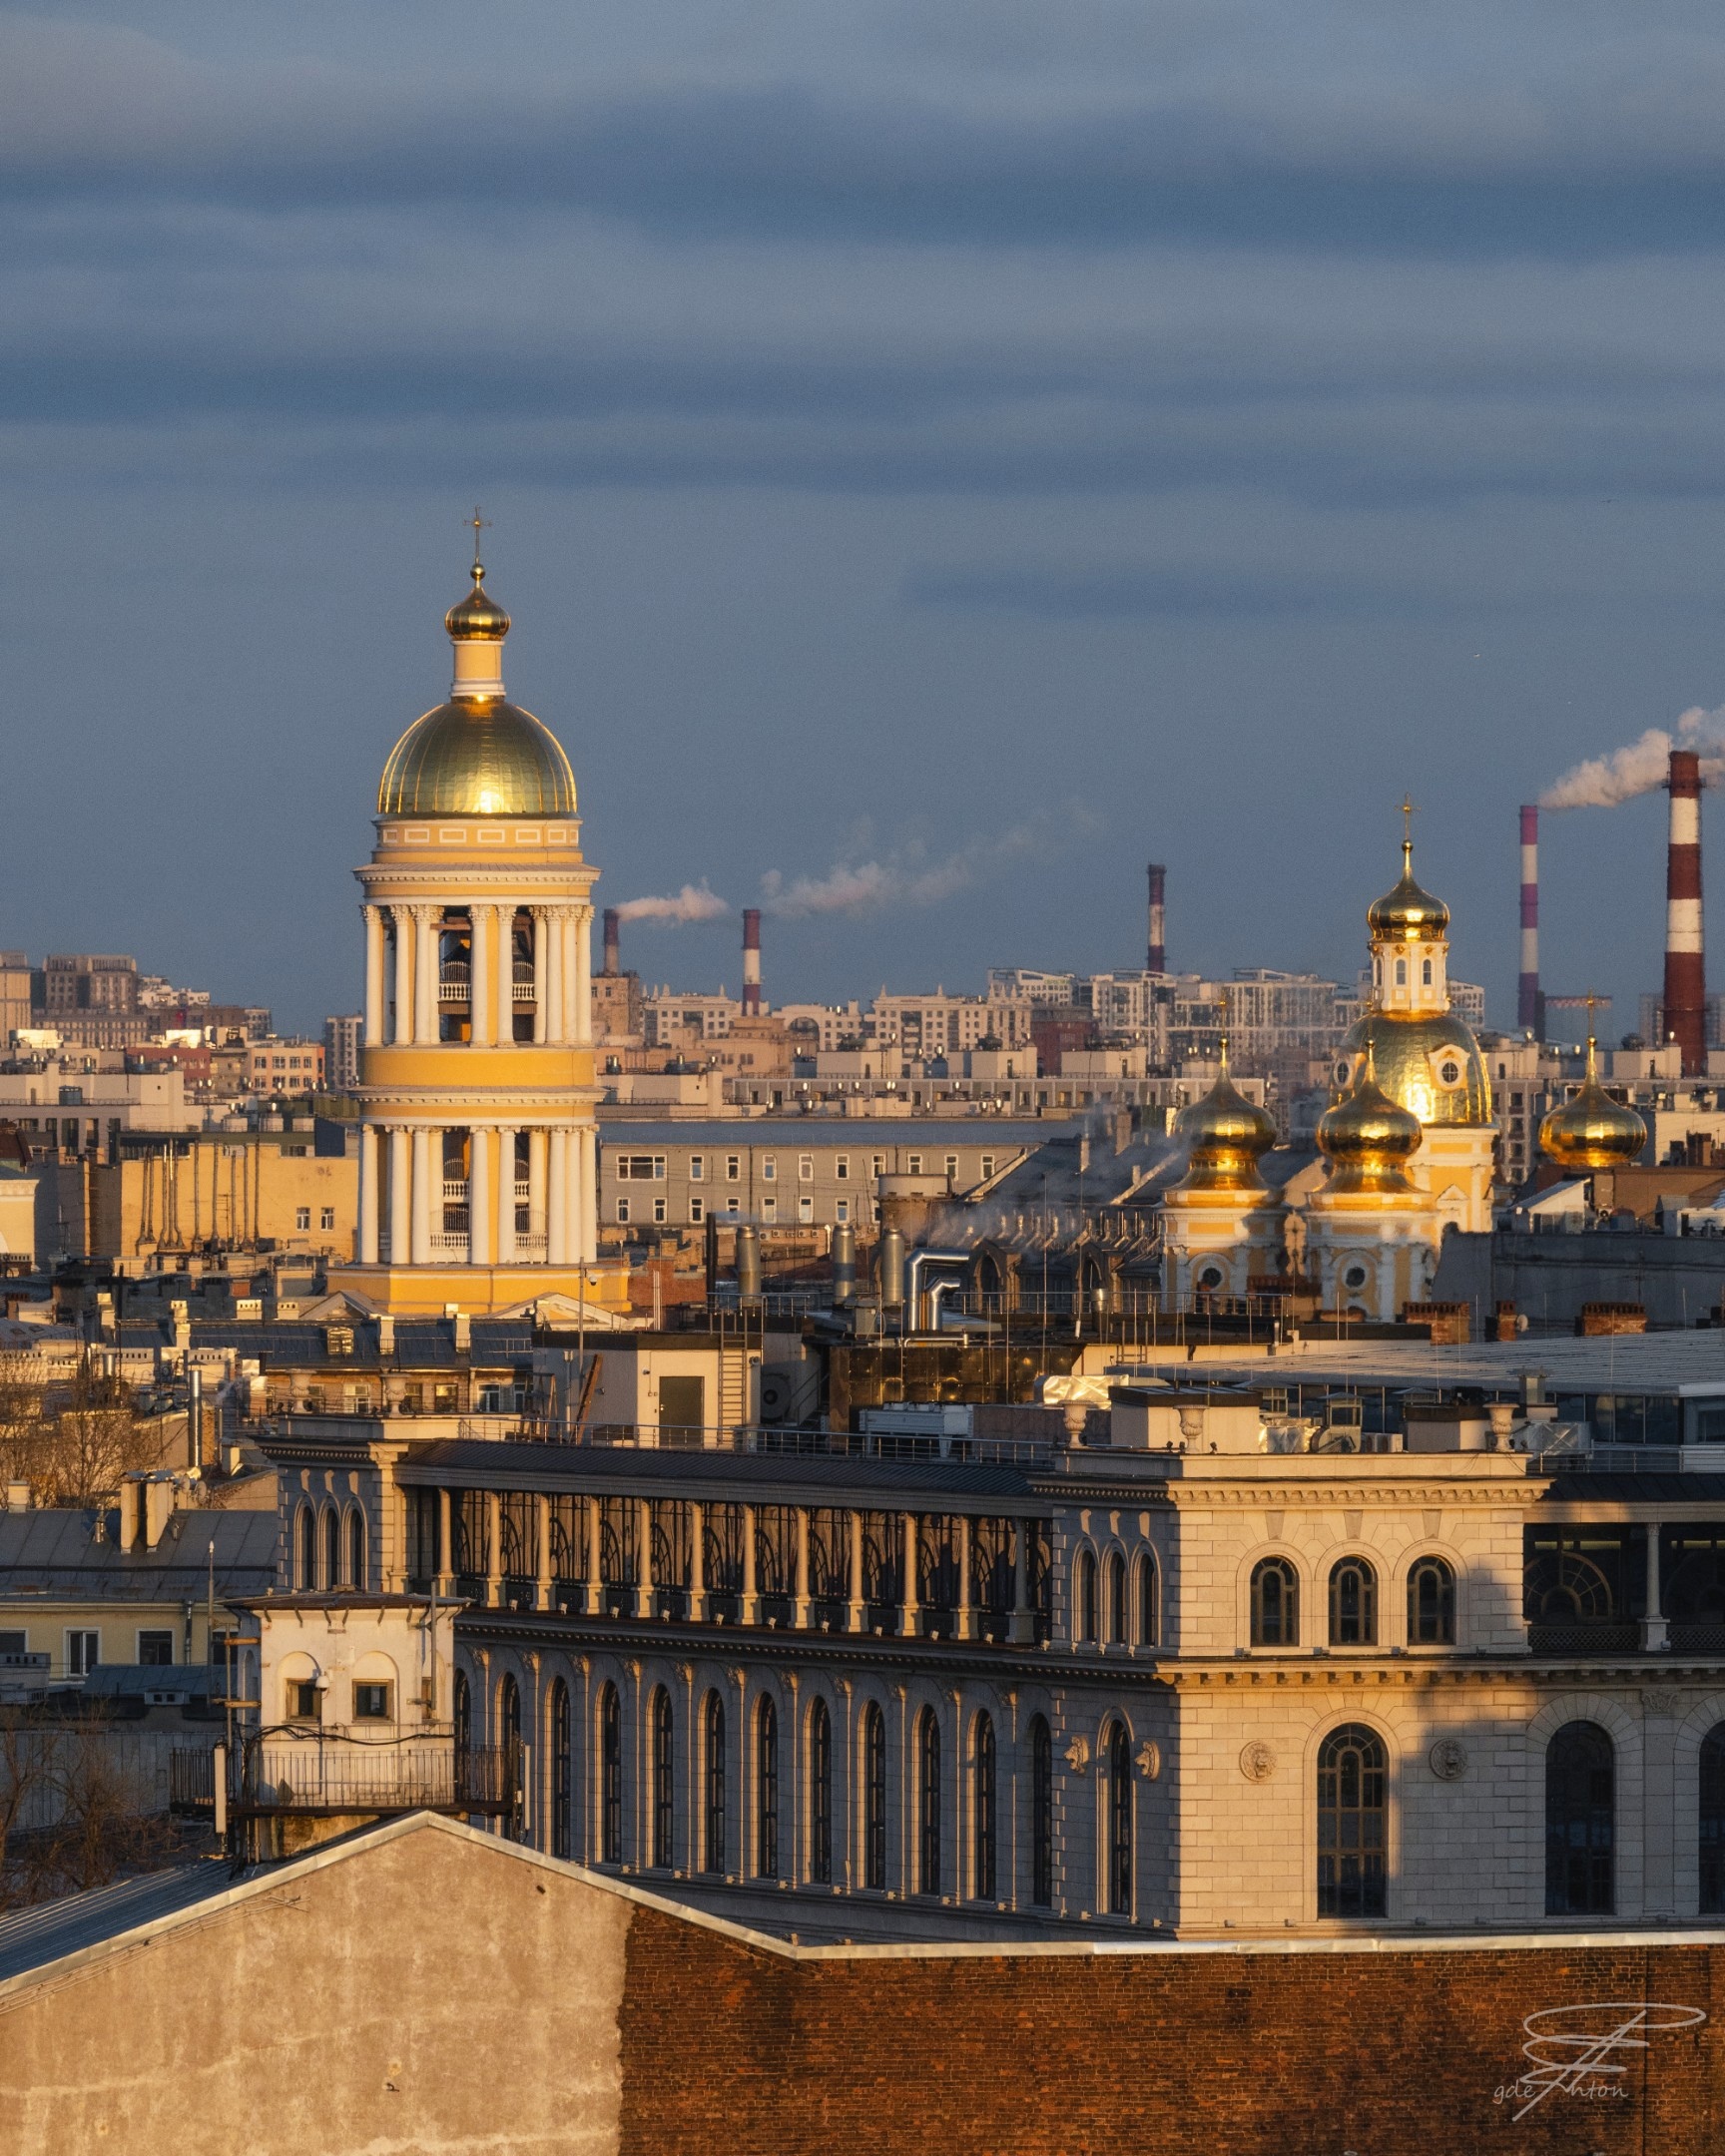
x=1604, y=781
x=907, y=875
x=692, y=903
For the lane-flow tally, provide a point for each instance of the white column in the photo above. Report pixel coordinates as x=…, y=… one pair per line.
x=506, y=971
x=423, y=1171
x=481, y=1008
x=374, y=975
x=478, y=1197
x=367, y=1192
x=554, y=1030
x=400, y=1197
x=589, y=1251
x=537, y=1151
x=539, y=942
x=505, y=1197
x=424, y=976
x=403, y=981
x=557, y=1210
x=581, y=1033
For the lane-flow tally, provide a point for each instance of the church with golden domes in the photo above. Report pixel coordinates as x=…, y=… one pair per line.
x=1407, y=1143
x=479, y=1152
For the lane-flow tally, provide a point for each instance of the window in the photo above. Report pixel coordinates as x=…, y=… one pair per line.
x=1713, y=1821
x=821, y=1795
x=1353, y=1604
x=1149, y=1610
x=733, y=1167
x=83, y=1652
x=1431, y=1604
x=1084, y=1599
x=769, y=1210
x=987, y=1165
x=805, y=1209
x=983, y=1878
x=873, y=1799
x=1580, y=1822
x=914, y=1165
x=659, y=1209
x=327, y=1217
x=841, y=1168
x=610, y=1776
x=1116, y=1598
x=1119, y=1822
x=303, y=1216
x=332, y=1568
x=805, y=1167
x=305, y=1700
x=1275, y=1604
x=1353, y=1806
x=509, y=1729
x=663, y=1780
x=357, y=1549
x=562, y=1769
x=841, y=1211
x=17, y=1643
x=769, y=1169
x=880, y=1165
x=1042, y=1814
x=156, y=1650
x=371, y=1703
x=696, y=1168
x=623, y=1212
x=927, y=1803
x=1426, y=972
x=766, y=1790
x=640, y=1168
x=713, y=1840
x=697, y=1211
x=1400, y=972
x=951, y=1167
x=463, y=1726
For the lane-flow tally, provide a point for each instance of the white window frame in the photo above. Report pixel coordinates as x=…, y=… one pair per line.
x=623, y=1212
x=805, y=1167
x=79, y=1660
x=697, y=1211
x=770, y=1168
x=805, y=1211
x=696, y=1168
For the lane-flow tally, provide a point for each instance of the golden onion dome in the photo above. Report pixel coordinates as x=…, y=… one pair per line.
x=1407, y=914
x=1225, y=1134
x=477, y=756
x=1429, y=1063
x=1592, y=1130
x=478, y=615
x=1368, y=1137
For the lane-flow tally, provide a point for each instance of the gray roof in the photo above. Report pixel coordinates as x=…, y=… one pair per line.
x=57, y=1552
x=838, y=1132
x=1690, y=1362
x=32, y=1937
x=294, y=1343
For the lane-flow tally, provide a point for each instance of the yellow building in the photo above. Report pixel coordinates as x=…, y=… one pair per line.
x=235, y=1190
x=479, y=1147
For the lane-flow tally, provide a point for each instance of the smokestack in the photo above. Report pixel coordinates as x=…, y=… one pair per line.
x=1529, y=1004
x=1157, y=960
x=750, y=962
x=1685, y=965
x=611, y=967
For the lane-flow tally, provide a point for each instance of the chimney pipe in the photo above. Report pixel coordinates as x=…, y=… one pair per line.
x=1530, y=1003
x=1157, y=959
x=611, y=967
x=1685, y=964
x=752, y=961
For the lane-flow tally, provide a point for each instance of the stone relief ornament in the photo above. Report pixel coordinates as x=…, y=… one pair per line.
x=1257, y=1762
x=1149, y=1759
x=1448, y=1758
x=1078, y=1754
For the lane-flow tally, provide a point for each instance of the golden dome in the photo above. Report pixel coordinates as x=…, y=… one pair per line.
x=1592, y=1130
x=1407, y=913
x=1368, y=1137
x=1429, y=1064
x=477, y=756
x=479, y=615
x=1225, y=1134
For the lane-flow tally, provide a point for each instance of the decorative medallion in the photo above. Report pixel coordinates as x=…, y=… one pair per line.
x=1257, y=1762
x=1449, y=1758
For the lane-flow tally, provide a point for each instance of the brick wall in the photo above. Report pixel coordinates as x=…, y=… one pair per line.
x=1232, y=2055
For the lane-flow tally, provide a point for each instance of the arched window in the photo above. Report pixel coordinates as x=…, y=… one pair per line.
x=510, y=1739
x=767, y=1790
x=712, y=1841
x=305, y=1551
x=1713, y=1821
x=664, y=1780
x=1400, y=972
x=463, y=1721
x=1580, y=1822
x=1353, y=1604
x=1431, y=1604
x=1275, y=1604
x=927, y=1803
x=1116, y=1596
x=982, y=1881
x=357, y=1549
x=610, y=1776
x=873, y=1799
x=1119, y=1822
x=1426, y=972
x=332, y=1548
x=1149, y=1602
x=1084, y=1597
x=1042, y=1814
x=820, y=1795
x=562, y=1768
x=1352, y=1814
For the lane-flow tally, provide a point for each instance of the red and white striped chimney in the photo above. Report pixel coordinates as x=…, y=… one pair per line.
x=752, y=961
x=1528, y=1014
x=1685, y=965
x=1157, y=959
x=612, y=968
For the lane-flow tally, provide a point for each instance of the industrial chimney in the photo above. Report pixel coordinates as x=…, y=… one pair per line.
x=611, y=967
x=1157, y=961
x=1529, y=1006
x=750, y=962
x=1685, y=966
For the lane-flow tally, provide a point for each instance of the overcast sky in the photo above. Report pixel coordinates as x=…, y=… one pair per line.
x=941, y=457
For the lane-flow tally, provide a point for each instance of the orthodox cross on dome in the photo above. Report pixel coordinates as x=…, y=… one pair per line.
x=479, y=523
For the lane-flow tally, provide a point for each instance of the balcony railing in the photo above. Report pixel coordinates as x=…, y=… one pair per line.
x=521, y=984
x=318, y=1775
x=1584, y=1639
x=454, y=984
x=450, y=1246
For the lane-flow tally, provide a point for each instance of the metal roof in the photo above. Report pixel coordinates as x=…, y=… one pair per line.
x=838, y=1132
x=56, y=1551
x=544, y=1467
x=1691, y=1363
x=295, y=1342
x=32, y=1937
